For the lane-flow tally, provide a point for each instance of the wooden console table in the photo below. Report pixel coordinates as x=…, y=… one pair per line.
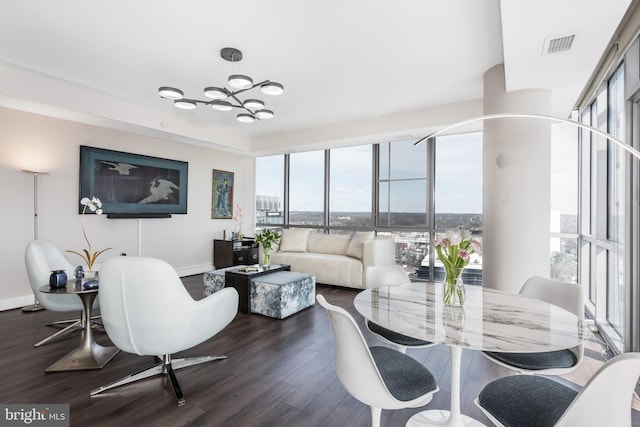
x=227, y=253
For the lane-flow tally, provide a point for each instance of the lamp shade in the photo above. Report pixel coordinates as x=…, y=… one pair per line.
x=264, y=114
x=214, y=92
x=221, y=105
x=240, y=81
x=185, y=105
x=246, y=118
x=170, y=92
x=272, y=88
x=254, y=104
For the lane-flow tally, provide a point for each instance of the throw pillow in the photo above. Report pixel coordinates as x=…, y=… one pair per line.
x=356, y=244
x=294, y=240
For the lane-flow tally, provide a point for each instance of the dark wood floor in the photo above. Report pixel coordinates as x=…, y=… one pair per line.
x=278, y=373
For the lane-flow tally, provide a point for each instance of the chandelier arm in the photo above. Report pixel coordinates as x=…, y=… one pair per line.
x=628, y=148
x=213, y=102
x=207, y=102
x=244, y=108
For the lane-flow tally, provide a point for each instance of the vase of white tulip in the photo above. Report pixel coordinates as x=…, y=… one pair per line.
x=454, y=250
x=267, y=238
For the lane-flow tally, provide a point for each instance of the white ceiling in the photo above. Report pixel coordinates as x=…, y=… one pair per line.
x=348, y=66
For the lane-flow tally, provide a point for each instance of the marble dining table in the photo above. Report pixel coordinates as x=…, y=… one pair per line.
x=489, y=321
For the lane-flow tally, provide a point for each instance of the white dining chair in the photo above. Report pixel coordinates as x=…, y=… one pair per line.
x=380, y=377
x=534, y=401
x=568, y=296
x=391, y=275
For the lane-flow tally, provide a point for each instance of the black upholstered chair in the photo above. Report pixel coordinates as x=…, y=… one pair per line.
x=391, y=275
x=568, y=296
x=380, y=377
x=535, y=401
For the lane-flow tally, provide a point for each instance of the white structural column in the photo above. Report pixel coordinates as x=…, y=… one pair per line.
x=516, y=196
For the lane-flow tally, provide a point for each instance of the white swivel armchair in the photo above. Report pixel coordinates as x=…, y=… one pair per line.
x=568, y=296
x=391, y=275
x=535, y=401
x=41, y=257
x=146, y=310
x=380, y=377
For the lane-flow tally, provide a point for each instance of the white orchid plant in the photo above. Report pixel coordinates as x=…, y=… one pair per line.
x=88, y=255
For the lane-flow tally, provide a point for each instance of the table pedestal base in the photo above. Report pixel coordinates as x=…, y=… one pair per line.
x=437, y=417
x=81, y=358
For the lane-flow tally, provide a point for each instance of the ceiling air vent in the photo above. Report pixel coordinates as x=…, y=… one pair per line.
x=560, y=44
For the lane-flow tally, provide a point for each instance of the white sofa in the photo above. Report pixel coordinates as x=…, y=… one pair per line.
x=335, y=259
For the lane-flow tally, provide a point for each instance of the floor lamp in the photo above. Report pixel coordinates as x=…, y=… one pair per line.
x=36, y=305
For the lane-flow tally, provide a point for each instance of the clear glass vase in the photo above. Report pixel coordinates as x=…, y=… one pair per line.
x=453, y=292
x=266, y=257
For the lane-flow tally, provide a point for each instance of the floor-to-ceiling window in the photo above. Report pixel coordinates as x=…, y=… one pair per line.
x=458, y=193
x=350, y=188
x=603, y=193
x=405, y=191
x=403, y=202
x=306, y=189
x=564, y=203
x=270, y=190
x=616, y=172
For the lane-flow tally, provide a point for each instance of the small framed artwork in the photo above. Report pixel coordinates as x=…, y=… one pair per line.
x=222, y=195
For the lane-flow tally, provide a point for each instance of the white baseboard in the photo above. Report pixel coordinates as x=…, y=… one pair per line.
x=17, y=302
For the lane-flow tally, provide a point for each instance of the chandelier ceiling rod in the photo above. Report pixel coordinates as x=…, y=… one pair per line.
x=254, y=108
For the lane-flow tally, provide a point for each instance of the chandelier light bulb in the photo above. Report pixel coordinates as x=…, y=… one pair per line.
x=214, y=93
x=272, y=88
x=264, y=114
x=221, y=105
x=246, y=118
x=240, y=81
x=185, y=105
x=170, y=92
x=254, y=104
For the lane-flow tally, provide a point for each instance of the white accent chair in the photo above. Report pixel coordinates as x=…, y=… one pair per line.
x=391, y=275
x=41, y=257
x=568, y=296
x=534, y=401
x=380, y=377
x=146, y=310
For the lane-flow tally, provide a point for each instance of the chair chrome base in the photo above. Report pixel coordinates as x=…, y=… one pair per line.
x=166, y=366
x=74, y=325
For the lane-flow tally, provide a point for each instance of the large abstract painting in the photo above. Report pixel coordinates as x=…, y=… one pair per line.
x=222, y=195
x=133, y=184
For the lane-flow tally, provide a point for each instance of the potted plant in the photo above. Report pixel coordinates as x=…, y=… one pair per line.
x=267, y=238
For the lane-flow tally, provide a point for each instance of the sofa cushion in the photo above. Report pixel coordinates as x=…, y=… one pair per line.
x=331, y=269
x=356, y=243
x=334, y=244
x=294, y=240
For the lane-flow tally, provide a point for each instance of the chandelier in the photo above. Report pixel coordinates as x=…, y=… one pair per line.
x=223, y=99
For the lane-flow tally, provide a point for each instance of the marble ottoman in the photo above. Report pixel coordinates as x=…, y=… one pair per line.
x=282, y=293
x=214, y=280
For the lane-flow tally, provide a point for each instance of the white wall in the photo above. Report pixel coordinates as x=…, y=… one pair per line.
x=29, y=141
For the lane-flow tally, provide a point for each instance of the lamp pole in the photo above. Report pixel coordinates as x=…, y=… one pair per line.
x=36, y=305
